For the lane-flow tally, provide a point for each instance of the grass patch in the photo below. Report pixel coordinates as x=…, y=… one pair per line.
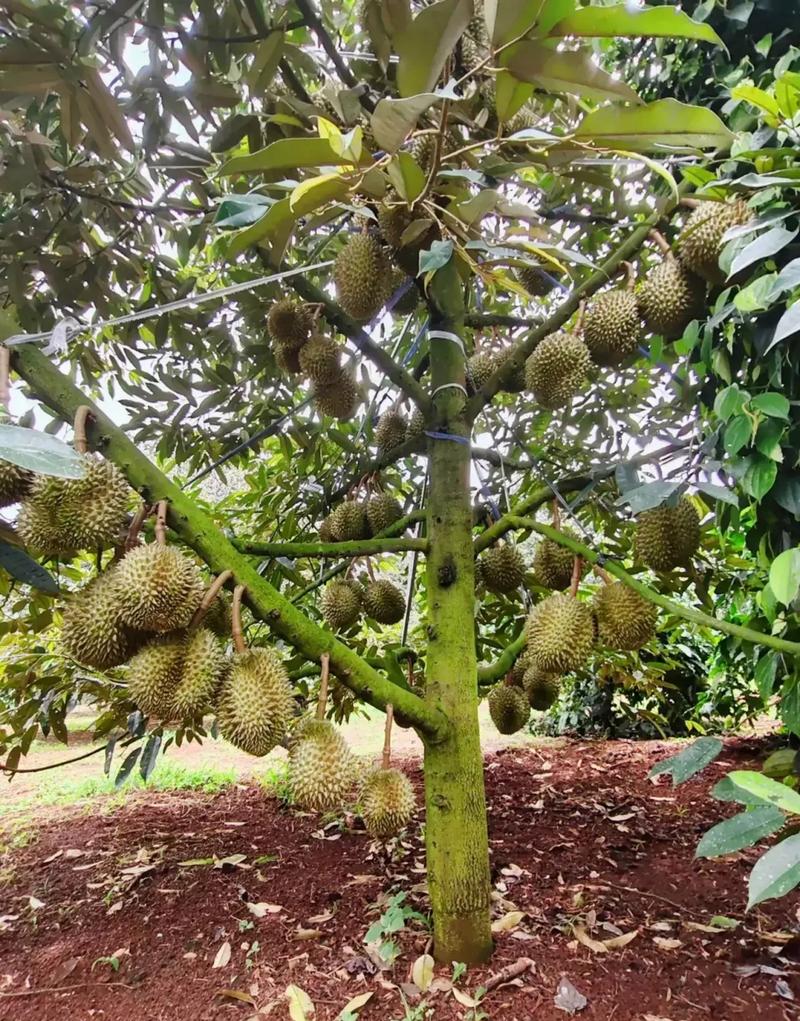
x=275, y=781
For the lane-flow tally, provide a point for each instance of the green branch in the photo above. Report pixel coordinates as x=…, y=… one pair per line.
x=356, y=548
x=199, y=532
x=686, y=612
x=369, y=465
x=489, y=672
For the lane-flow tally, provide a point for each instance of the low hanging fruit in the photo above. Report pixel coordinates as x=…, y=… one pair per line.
x=560, y=634
x=700, y=242
x=517, y=672
x=538, y=281
x=319, y=359
x=321, y=766
x=289, y=324
x=557, y=369
x=667, y=537
x=383, y=601
x=416, y=424
x=553, y=563
x=387, y=802
x=338, y=399
x=159, y=588
x=508, y=708
x=515, y=383
x=341, y=604
x=391, y=430
x=625, y=620
x=612, y=327
x=361, y=273
x=202, y=669
x=325, y=530
x=349, y=521
x=15, y=483
x=94, y=508
x=154, y=674
x=670, y=297
x=502, y=568
x=541, y=689
x=92, y=632
x=382, y=511
x=480, y=367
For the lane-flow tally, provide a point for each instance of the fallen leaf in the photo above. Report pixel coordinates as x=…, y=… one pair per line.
x=223, y=956
x=301, y=933
x=568, y=998
x=261, y=908
x=74, y=852
x=236, y=994
x=464, y=998
x=510, y=920
x=361, y=880
x=699, y=927
x=667, y=944
x=354, y=1006
x=52, y=857
x=232, y=861
x=422, y=972
x=622, y=940
x=595, y=945
x=35, y=904
x=117, y=906
x=196, y=861
x=65, y=969
x=655, y=1017
x=301, y=1007
x=326, y=916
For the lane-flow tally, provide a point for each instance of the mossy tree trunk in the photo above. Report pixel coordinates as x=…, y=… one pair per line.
x=455, y=826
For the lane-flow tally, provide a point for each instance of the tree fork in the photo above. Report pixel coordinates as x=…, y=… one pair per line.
x=199, y=532
x=455, y=827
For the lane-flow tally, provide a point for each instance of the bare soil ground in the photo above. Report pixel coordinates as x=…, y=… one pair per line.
x=121, y=915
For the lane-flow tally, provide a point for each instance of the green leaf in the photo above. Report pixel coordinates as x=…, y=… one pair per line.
x=690, y=761
x=730, y=401
x=40, y=452
x=572, y=71
x=789, y=707
x=286, y=154
x=317, y=191
x=767, y=790
x=633, y=22
x=508, y=19
x=241, y=210
x=788, y=278
x=664, y=123
x=786, y=493
x=738, y=433
x=756, y=97
x=788, y=325
x=406, y=175
x=424, y=44
x=776, y=872
x=773, y=404
x=743, y=830
x=301, y=1007
x=276, y=217
x=437, y=256
x=510, y=95
x=761, y=248
x=719, y=493
x=784, y=576
x=149, y=757
x=127, y=767
x=24, y=568
x=760, y=477
x=393, y=119
x=765, y=672
x=651, y=494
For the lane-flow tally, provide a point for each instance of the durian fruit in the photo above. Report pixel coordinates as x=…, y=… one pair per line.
x=387, y=802
x=288, y=360
x=382, y=510
x=92, y=632
x=349, y=521
x=538, y=281
x=218, y=616
x=502, y=568
x=508, y=708
x=202, y=669
x=416, y=424
x=611, y=326
x=15, y=482
x=408, y=302
x=361, y=274
x=394, y=220
x=516, y=383
x=625, y=620
x=670, y=297
x=159, y=588
x=154, y=674
x=383, y=601
x=325, y=530
x=423, y=147
x=700, y=242
x=553, y=563
x=667, y=537
x=339, y=399
x=517, y=672
x=391, y=430
x=341, y=604
x=557, y=369
x=94, y=508
x=560, y=633
x=541, y=689
x=479, y=367
x=319, y=360
x=39, y=523
x=255, y=702
x=321, y=766
x=289, y=324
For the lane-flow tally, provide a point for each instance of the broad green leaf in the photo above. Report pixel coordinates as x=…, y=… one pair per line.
x=39, y=452
x=760, y=477
x=651, y=494
x=691, y=760
x=371, y=15
x=761, y=248
x=393, y=119
x=241, y=210
x=719, y=493
x=425, y=44
x=788, y=325
x=773, y=404
x=776, y=872
x=437, y=256
x=767, y=790
x=24, y=568
x=508, y=19
x=558, y=71
x=743, y=830
x=301, y=1007
x=317, y=191
x=666, y=123
x=273, y=220
x=629, y=21
x=730, y=401
x=765, y=672
x=285, y=154
x=756, y=97
x=406, y=175
x=726, y=790
x=266, y=60
x=738, y=433
x=784, y=576
x=789, y=706
x=510, y=95
x=780, y=764
x=786, y=492
x=127, y=767
x=788, y=278
x=147, y=763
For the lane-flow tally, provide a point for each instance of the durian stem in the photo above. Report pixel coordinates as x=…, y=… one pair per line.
x=5, y=366
x=602, y=574
x=690, y=203
x=387, y=737
x=322, y=697
x=211, y=594
x=161, y=523
x=330, y=550
x=577, y=571
x=663, y=245
x=685, y=612
x=630, y=275
x=556, y=515
x=236, y=619
x=80, y=441
x=137, y=522
x=370, y=569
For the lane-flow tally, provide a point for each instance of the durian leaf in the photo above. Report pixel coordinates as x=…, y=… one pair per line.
x=276, y=217
x=510, y=95
x=425, y=44
x=126, y=768
x=634, y=22
x=784, y=576
x=39, y=452
x=108, y=755
x=394, y=118
x=740, y=831
x=776, y=872
x=651, y=494
x=664, y=123
x=761, y=248
x=788, y=325
x=691, y=760
x=508, y=19
x=719, y=493
x=406, y=175
x=149, y=757
x=317, y=191
x=21, y=565
x=572, y=71
x=285, y=154
x=241, y=210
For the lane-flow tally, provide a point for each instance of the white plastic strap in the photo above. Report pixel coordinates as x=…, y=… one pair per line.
x=450, y=386
x=446, y=335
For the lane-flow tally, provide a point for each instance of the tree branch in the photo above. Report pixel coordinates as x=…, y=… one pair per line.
x=347, y=77
x=356, y=548
x=490, y=672
x=478, y=320
x=199, y=532
x=685, y=612
x=369, y=465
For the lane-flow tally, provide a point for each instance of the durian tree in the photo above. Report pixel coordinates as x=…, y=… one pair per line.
x=467, y=274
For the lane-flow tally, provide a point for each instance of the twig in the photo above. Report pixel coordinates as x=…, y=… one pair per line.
x=64, y=762
x=236, y=619
x=322, y=697
x=64, y=989
x=387, y=737
x=81, y=441
x=508, y=973
x=5, y=366
x=663, y=245
x=139, y=518
x=161, y=523
x=577, y=571
x=211, y=594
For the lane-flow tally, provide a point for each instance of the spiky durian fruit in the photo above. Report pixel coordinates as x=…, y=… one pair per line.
x=624, y=619
x=383, y=601
x=39, y=523
x=255, y=701
x=517, y=672
x=416, y=424
x=408, y=302
x=479, y=367
x=339, y=399
x=423, y=147
x=288, y=360
x=289, y=324
x=91, y=631
x=94, y=507
x=537, y=280
x=667, y=537
x=361, y=274
x=557, y=369
x=541, y=689
x=502, y=568
x=321, y=766
x=349, y=521
x=325, y=530
x=154, y=674
x=508, y=708
x=612, y=327
x=383, y=510
x=391, y=430
x=15, y=482
x=670, y=297
x=515, y=384
x=202, y=670
x=218, y=616
x=700, y=242
x=319, y=360
x=159, y=588
x=553, y=563
x=341, y=604
x=560, y=633
x=387, y=802
x=393, y=221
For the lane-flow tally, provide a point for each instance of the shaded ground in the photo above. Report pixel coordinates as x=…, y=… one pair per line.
x=111, y=916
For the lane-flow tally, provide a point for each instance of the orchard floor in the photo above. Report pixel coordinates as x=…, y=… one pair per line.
x=133, y=913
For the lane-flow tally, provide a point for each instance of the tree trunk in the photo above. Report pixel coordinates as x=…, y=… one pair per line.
x=455, y=825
